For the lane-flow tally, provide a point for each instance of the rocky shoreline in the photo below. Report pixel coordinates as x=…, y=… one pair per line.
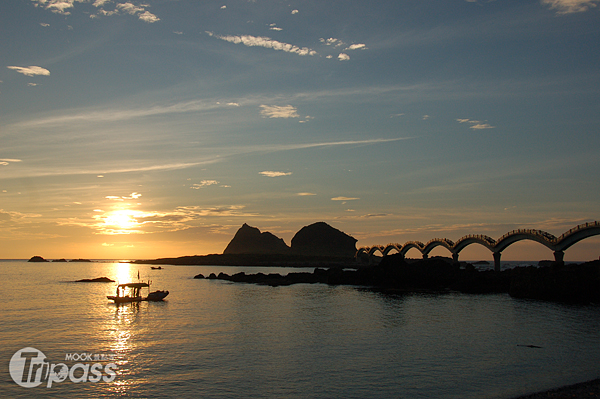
x=566, y=283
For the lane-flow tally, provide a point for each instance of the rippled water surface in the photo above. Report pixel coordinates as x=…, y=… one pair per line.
x=217, y=339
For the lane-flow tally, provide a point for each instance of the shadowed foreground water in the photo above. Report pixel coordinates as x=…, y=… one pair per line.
x=222, y=340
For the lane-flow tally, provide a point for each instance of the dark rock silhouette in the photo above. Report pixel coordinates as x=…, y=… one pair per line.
x=37, y=259
x=569, y=283
x=249, y=240
x=59, y=260
x=563, y=283
x=80, y=260
x=95, y=280
x=320, y=239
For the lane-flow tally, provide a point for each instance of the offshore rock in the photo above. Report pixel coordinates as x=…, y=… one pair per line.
x=95, y=280
x=37, y=259
x=249, y=240
x=320, y=239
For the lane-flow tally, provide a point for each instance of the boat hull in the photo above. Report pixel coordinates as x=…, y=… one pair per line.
x=157, y=296
x=125, y=299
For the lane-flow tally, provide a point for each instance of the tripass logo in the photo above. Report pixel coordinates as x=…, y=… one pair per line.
x=29, y=368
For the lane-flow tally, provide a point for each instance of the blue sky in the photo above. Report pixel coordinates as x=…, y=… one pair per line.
x=145, y=129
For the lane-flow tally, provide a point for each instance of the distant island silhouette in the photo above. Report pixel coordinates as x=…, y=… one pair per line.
x=41, y=259
x=318, y=244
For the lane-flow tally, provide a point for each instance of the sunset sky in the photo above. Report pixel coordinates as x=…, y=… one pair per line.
x=150, y=129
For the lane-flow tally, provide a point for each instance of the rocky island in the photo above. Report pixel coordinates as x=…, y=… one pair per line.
x=318, y=244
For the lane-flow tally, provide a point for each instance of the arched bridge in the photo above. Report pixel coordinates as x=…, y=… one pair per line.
x=557, y=244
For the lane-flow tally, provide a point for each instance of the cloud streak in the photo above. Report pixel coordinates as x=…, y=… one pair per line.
x=476, y=125
x=270, y=173
x=115, y=115
x=31, y=70
x=266, y=42
x=570, y=6
x=276, y=111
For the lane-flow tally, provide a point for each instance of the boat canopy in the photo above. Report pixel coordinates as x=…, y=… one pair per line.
x=133, y=285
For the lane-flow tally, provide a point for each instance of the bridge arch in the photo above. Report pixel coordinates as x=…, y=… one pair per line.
x=577, y=234
x=438, y=242
x=376, y=248
x=510, y=238
x=410, y=245
x=391, y=247
x=465, y=241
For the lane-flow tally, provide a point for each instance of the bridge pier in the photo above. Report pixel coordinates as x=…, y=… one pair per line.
x=455, y=257
x=425, y=256
x=497, y=261
x=559, y=257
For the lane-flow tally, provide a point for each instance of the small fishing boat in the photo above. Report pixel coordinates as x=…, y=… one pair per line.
x=130, y=292
x=156, y=267
x=157, y=296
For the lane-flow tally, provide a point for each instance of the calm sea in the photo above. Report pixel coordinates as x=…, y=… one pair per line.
x=215, y=339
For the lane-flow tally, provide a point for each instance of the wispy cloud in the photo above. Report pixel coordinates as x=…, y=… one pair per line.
x=57, y=6
x=343, y=57
x=305, y=194
x=570, y=6
x=332, y=42
x=477, y=125
x=204, y=183
x=132, y=196
x=31, y=70
x=270, y=173
x=344, y=198
x=266, y=42
x=358, y=46
x=7, y=161
x=113, y=115
x=139, y=11
x=63, y=7
x=276, y=111
x=288, y=147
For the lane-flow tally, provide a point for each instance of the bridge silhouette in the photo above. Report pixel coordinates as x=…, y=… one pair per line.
x=557, y=244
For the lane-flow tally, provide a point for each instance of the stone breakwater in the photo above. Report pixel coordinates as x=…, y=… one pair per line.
x=569, y=283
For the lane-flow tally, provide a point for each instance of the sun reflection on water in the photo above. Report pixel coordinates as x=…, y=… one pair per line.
x=124, y=273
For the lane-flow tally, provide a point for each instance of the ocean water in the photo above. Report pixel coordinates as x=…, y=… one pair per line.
x=215, y=339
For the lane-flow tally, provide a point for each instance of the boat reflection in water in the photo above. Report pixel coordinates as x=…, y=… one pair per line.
x=130, y=292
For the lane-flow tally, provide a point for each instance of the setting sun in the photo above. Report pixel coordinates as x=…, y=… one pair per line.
x=121, y=221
